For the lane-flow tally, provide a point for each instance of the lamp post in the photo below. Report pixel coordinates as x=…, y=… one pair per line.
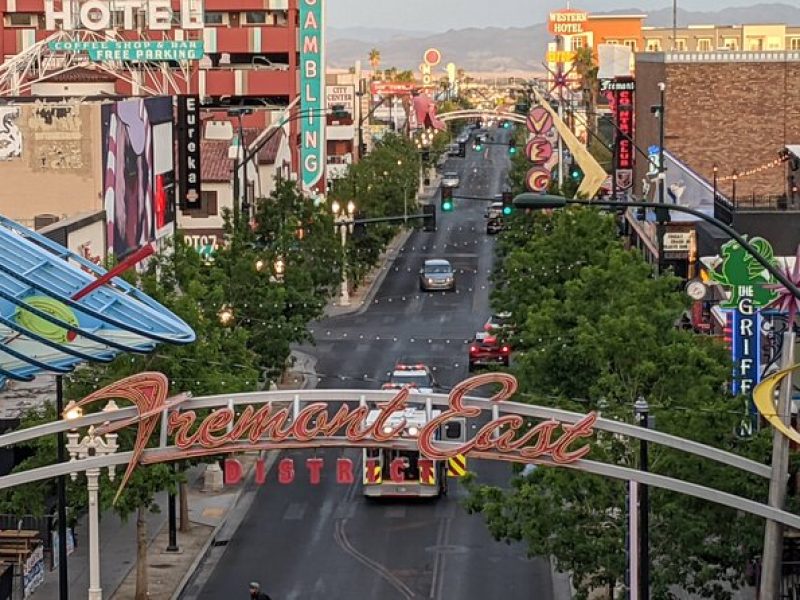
x=405, y=197
x=63, y=583
x=90, y=446
x=734, y=178
x=716, y=175
x=343, y=218
x=641, y=411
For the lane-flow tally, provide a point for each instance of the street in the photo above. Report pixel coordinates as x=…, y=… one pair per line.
x=327, y=541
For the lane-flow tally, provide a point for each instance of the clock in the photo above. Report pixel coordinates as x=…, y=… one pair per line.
x=696, y=289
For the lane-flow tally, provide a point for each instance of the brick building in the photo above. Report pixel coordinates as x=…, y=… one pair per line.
x=735, y=110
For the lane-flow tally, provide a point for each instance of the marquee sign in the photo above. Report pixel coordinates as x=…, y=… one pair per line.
x=189, y=155
x=312, y=92
x=100, y=15
x=226, y=431
x=540, y=150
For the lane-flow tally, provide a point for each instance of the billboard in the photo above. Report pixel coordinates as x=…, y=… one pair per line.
x=343, y=96
x=189, y=151
x=138, y=172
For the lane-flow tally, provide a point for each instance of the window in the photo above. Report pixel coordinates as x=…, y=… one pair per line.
x=680, y=44
x=615, y=42
x=216, y=18
x=704, y=45
x=653, y=45
x=208, y=206
x=255, y=17
x=755, y=44
x=578, y=42
x=21, y=19
x=631, y=44
x=730, y=43
x=794, y=44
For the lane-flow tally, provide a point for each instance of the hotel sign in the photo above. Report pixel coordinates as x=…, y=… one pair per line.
x=96, y=15
x=312, y=93
x=567, y=22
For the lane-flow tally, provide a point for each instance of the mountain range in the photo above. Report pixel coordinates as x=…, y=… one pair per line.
x=514, y=49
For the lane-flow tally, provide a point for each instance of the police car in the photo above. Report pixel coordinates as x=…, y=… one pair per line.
x=417, y=377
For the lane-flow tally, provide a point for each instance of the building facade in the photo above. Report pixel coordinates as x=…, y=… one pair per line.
x=710, y=38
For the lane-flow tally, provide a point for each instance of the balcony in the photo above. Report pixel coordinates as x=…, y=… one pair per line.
x=250, y=39
x=775, y=218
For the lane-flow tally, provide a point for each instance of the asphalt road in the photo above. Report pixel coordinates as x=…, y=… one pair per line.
x=327, y=542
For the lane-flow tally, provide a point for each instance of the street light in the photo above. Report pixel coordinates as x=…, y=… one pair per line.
x=405, y=196
x=225, y=315
x=343, y=219
x=641, y=411
x=532, y=201
x=92, y=446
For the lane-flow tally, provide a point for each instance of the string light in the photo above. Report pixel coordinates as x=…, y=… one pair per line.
x=754, y=171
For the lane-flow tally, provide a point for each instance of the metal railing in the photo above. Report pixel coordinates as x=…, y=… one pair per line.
x=757, y=203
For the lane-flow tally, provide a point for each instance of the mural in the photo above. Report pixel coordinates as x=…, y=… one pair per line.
x=135, y=206
x=57, y=313
x=10, y=135
x=57, y=133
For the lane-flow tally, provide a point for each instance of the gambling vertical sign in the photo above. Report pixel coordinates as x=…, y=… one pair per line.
x=312, y=93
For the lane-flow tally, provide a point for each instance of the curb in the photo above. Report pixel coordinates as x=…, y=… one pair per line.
x=391, y=256
x=201, y=556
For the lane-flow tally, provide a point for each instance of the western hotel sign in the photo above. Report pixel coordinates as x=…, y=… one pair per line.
x=312, y=92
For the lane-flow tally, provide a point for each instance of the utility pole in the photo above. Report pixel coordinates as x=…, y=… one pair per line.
x=771, y=560
x=674, y=24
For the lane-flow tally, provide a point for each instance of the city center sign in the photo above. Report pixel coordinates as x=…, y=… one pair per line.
x=98, y=15
x=225, y=431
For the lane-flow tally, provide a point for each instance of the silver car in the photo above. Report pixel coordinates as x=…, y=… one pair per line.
x=437, y=274
x=450, y=179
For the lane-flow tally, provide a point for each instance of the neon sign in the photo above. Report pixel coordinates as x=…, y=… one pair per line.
x=540, y=150
x=312, y=92
x=222, y=431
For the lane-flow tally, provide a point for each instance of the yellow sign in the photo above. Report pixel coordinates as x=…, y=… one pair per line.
x=560, y=56
x=764, y=399
x=457, y=466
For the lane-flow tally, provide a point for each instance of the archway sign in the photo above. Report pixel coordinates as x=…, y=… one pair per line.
x=317, y=419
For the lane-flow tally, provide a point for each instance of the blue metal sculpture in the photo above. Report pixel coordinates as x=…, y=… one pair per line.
x=57, y=309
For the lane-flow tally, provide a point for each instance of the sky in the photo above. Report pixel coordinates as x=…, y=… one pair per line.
x=441, y=15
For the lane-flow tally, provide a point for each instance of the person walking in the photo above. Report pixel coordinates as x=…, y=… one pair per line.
x=256, y=593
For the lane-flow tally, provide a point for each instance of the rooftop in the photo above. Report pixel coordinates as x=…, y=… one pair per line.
x=217, y=167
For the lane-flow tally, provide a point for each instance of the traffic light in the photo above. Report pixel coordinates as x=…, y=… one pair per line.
x=575, y=172
x=429, y=222
x=506, y=124
x=508, y=203
x=447, y=199
x=359, y=229
x=512, y=147
x=477, y=145
x=462, y=149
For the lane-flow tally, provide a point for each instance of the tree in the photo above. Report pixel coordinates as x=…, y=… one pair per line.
x=375, y=59
x=587, y=70
x=594, y=311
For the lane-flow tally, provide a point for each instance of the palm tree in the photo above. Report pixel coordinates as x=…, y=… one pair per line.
x=587, y=70
x=375, y=58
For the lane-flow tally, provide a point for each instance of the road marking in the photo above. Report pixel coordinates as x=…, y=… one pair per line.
x=437, y=581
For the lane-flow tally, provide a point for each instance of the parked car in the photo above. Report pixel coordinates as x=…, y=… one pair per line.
x=450, y=179
x=265, y=63
x=437, y=274
x=486, y=349
x=500, y=321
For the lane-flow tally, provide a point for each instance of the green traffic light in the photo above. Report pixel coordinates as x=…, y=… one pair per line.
x=506, y=210
x=506, y=125
x=512, y=150
x=478, y=147
x=447, y=206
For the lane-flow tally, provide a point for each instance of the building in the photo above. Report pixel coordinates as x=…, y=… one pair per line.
x=731, y=125
x=709, y=38
x=625, y=30
x=344, y=96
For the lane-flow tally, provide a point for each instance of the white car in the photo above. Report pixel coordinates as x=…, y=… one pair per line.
x=450, y=179
x=418, y=378
x=265, y=63
x=494, y=210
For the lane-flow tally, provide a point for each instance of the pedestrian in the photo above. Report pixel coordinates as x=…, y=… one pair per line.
x=256, y=593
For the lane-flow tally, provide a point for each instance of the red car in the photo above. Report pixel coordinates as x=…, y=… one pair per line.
x=486, y=349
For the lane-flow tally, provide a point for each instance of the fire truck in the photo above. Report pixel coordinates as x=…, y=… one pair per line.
x=406, y=473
